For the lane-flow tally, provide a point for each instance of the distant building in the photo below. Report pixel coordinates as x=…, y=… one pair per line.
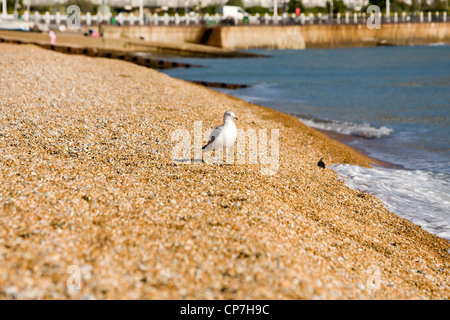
x=43, y=2
x=247, y=3
x=351, y=4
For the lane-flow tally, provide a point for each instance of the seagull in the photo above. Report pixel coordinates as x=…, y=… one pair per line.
x=224, y=135
x=321, y=164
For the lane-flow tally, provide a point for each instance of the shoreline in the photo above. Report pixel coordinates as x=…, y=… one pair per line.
x=346, y=139
x=89, y=182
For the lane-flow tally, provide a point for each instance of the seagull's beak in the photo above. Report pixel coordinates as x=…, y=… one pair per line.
x=235, y=118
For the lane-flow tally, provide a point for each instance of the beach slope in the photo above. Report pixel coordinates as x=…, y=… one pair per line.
x=93, y=206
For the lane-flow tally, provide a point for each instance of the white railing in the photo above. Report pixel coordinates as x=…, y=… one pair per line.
x=195, y=19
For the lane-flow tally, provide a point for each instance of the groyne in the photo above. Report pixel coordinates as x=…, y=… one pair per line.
x=121, y=41
x=72, y=48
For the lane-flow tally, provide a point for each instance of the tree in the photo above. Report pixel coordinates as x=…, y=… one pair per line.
x=442, y=5
x=438, y=5
x=338, y=6
x=295, y=4
x=237, y=3
x=379, y=3
x=257, y=9
x=85, y=5
x=10, y=4
x=395, y=5
x=211, y=9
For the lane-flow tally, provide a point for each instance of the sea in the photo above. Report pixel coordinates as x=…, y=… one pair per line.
x=394, y=103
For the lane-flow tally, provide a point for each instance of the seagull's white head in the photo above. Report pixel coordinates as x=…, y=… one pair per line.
x=229, y=116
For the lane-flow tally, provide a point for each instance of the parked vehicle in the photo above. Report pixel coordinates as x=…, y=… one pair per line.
x=233, y=14
x=15, y=25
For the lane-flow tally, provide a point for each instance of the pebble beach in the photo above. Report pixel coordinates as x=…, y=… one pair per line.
x=88, y=183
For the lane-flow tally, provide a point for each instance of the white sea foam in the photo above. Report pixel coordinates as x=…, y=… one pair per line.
x=437, y=44
x=364, y=130
x=419, y=196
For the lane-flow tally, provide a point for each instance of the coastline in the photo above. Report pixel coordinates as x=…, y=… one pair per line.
x=89, y=182
x=346, y=139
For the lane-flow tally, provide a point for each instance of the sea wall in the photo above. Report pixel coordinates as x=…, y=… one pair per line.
x=247, y=37
x=236, y=37
x=289, y=37
x=341, y=36
x=192, y=34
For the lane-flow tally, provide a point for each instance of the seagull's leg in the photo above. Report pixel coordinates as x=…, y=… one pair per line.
x=207, y=157
x=229, y=155
x=219, y=156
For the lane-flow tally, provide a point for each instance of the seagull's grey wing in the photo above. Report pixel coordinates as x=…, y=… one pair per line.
x=211, y=140
x=213, y=136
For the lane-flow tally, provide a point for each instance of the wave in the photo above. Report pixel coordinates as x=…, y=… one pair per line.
x=421, y=197
x=437, y=44
x=363, y=130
